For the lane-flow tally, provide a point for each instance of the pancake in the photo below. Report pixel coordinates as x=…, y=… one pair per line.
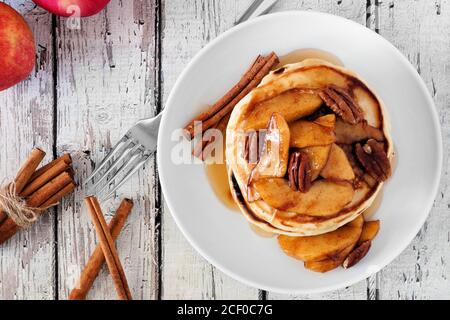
x=339, y=189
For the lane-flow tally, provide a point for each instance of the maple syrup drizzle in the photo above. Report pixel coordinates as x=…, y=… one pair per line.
x=217, y=174
x=303, y=54
x=218, y=178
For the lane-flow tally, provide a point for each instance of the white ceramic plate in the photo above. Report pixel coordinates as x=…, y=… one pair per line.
x=224, y=237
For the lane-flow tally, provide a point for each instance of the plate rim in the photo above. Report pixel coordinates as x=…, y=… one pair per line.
x=389, y=257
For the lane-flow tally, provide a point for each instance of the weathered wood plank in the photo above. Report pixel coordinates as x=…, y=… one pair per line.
x=351, y=9
x=26, y=118
x=106, y=82
x=187, y=27
x=354, y=10
x=420, y=29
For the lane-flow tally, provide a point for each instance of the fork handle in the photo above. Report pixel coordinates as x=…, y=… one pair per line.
x=151, y=127
x=154, y=121
x=152, y=124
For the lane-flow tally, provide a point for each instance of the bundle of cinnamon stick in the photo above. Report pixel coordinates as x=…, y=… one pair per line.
x=212, y=117
x=35, y=190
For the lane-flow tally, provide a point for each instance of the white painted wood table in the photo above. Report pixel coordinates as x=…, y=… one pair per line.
x=91, y=84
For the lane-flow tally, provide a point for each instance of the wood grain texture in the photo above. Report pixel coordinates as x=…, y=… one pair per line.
x=351, y=9
x=187, y=27
x=106, y=80
x=420, y=29
x=26, y=117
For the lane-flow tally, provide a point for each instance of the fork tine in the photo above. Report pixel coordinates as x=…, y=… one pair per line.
x=125, y=141
x=115, y=164
x=133, y=169
x=135, y=155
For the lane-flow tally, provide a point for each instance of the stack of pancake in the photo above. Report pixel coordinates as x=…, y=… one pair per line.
x=329, y=116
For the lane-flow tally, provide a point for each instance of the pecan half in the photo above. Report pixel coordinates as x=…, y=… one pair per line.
x=348, y=149
x=342, y=103
x=299, y=172
x=251, y=152
x=374, y=159
x=357, y=254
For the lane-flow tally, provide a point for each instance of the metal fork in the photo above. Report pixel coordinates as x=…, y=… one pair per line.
x=127, y=157
x=136, y=146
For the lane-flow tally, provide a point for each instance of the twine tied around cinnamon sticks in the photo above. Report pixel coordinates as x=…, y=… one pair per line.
x=16, y=207
x=33, y=191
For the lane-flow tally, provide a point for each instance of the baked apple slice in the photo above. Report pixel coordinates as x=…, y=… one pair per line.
x=324, y=198
x=291, y=105
x=338, y=167
x=369, y=231
x=324, y=246
x=312, y=133
x=318, y=157
x=275, y=155
x=328, y=121
x=348, y=254
x=330, y=263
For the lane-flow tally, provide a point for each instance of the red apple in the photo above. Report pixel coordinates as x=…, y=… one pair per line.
x=69, y=8
x=17, y=49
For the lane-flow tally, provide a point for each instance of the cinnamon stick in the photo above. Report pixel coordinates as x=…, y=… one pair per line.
x=223, y=123
x=44, y=193
x=66, y=158
x=202, y=144
x=24, y=174
x=273, y=59
x=249, y=80
x=108, y=248
x=59, y=195
x=46, y=176
x=97, y=258
x=27, y=169
x=238, y=87
x=38, y=199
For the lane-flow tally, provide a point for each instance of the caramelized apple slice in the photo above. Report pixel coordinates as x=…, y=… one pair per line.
x=314, y=75
x=338, y=167
x=308, y=134
x=328, y=121
x=323, y=199
x=292, y=105
x=330, y=263
x=324, y=246
x=347, y=133
x=275, y=156
x=318, y=157
x=369, y=231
